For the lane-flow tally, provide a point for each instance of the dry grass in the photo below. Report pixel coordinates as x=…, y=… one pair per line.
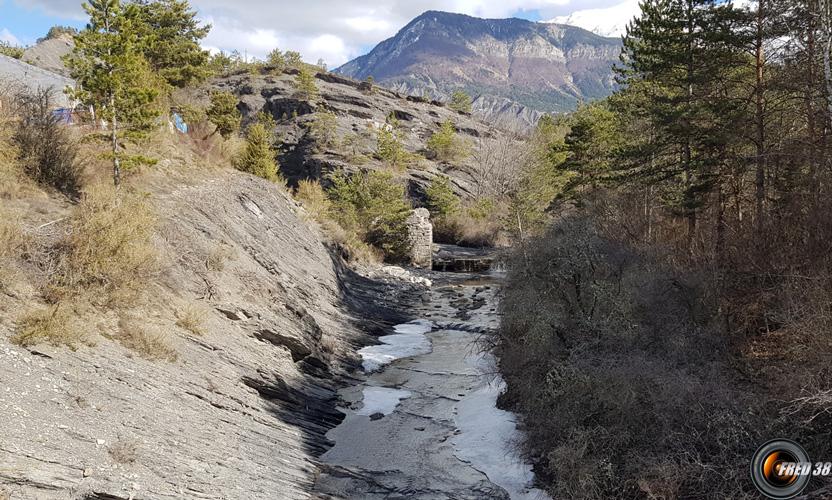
x=12, y=178
x=54, y=325
x=109, y=253
x=124, y=451
x=13, y=239
x=218, y=256
x=154, y=346
x=463, y=229
x=191, y=318
x=350, y=245
x=313, y=198
x=316, y=202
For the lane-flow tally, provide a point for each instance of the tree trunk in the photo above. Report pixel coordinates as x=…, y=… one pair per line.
x=759, y=96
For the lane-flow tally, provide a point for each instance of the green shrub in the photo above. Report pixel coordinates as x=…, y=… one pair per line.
x=258, y=155
x=460, y=101
x=224, y=114
x=441, y=201
x=447, y=145
x=276, y=59
x=293, y=59
x=389, y=146
x=10, y=50
x=59, y=31
x=324, y=129
x=305, y=87
x=374, y=206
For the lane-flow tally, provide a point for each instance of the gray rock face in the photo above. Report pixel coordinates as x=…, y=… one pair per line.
x=17, y=74
x=545, y=67
x=359, y=114
x=420, y=232
x=243, y=410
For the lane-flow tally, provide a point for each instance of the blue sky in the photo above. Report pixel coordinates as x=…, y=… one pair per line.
x=333, y=30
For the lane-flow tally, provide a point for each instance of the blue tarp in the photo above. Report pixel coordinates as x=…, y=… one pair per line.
x=63, y=114
x=179, y=123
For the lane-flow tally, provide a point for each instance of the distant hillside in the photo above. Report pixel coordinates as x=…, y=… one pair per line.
x=545, y=67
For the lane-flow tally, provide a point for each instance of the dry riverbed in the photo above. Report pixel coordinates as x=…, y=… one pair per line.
x=422, y=422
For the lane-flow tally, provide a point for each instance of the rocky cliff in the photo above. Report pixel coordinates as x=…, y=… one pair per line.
x=358, y=115
x=239, y=411
x=544, y=67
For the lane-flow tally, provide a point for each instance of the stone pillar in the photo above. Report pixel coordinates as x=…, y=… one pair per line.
x=420, y=232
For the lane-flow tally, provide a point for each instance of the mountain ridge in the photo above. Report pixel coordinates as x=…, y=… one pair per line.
x=541, y=66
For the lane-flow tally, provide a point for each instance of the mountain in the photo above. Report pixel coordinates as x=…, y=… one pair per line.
x=610, y=21
x=541, y=66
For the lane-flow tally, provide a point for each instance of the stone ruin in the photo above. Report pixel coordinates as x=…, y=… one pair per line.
x=420, y=232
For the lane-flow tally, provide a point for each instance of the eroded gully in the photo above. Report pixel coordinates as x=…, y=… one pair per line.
x=423, y=423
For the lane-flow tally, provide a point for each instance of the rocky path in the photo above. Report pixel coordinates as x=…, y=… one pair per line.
x=425, y=426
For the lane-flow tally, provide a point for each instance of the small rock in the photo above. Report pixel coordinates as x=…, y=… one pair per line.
x=100, y=442
x=420, y=429
x=87, y=472
x=376, y=416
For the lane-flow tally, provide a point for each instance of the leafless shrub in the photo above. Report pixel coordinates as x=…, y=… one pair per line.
x=623, y=351
x=496, y=163
x=47, y=152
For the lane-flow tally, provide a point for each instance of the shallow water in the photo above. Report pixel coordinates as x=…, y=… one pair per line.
x=436, y=431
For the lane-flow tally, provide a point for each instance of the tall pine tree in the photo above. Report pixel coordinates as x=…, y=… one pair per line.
x=114, y=77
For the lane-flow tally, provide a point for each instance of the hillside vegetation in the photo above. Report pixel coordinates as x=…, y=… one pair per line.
x=676, y=315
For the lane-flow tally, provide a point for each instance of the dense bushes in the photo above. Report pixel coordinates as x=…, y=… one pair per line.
x=622, y=359
x=373, y=205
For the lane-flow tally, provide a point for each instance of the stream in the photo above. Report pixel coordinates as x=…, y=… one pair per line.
x=423, y=422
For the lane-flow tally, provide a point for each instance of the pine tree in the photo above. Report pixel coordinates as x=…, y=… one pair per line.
x=113, y=75
x=440, y=199
x=223, y=113
x=258, y=156
x=169, y=35
x=305, y=85
x=460, y=101
x=678, y=55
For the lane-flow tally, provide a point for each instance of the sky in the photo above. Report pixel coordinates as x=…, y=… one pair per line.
x=333, y=30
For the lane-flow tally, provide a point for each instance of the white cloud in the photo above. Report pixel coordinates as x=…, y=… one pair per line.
x=334, y=30
x=610, y=21
x=8, y=37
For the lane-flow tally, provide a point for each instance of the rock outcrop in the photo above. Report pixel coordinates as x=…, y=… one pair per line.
x=243, y=410
x=358, y=115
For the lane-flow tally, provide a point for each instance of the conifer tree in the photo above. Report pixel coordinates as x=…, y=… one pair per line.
x=305, y=85
x=678, y=53
x=460, y=101
x=169, y=35
x=113, y=75
x=258, y=156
